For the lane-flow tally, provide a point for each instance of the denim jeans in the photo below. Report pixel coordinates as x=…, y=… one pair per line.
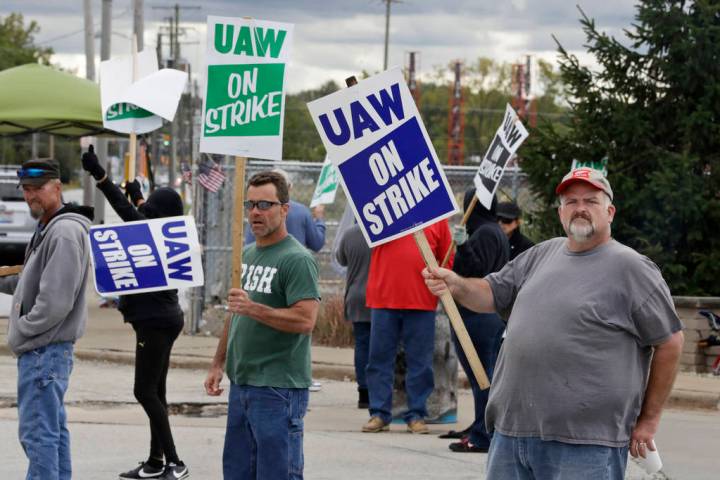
x=264, y=436
x=43, y=376
x=416, y=328
x=530, y=458
x=485, y=331
x=361, y=332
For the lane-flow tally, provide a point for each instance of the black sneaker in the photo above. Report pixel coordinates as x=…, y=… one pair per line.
x=143, y=471
x=175, y=471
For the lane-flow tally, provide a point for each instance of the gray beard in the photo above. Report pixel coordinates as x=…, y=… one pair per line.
x=37, y=213
x=581, y=231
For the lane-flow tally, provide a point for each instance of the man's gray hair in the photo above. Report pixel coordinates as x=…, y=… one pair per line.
x=285, y=175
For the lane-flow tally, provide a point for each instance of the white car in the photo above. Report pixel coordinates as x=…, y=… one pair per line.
x=16, y=224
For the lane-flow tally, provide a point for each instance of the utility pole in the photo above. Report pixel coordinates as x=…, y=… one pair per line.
x=387, y=32
x=88, y=188
x=456, y=120
x=102, y=142
x=175, y=59
x=138, y=23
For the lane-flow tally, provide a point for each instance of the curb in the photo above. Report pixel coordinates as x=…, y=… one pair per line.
x=681, y=399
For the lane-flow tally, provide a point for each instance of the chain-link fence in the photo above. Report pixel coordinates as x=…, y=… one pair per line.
x=214, y=212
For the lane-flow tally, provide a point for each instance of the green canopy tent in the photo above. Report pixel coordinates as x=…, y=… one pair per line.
x=35, y=98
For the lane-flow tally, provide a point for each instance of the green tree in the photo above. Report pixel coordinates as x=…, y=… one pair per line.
x=652, y=108
x=17, y=43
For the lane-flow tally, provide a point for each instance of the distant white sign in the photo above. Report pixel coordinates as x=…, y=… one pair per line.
x=508, y=139
x=327, y=185
x=141, y=105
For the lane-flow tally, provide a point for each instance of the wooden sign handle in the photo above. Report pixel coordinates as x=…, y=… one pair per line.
x=238, y=221
x=464, y=221
x=454, y=316
x=133, y=136
x=7, y=271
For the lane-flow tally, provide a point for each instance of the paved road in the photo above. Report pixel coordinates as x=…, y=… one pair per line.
x=109, y=434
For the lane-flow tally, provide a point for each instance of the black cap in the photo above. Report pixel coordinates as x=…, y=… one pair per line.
x=37, y=172
x=508, y=210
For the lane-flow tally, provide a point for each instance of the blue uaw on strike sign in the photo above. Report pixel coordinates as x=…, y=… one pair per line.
x=146, y=256
x=375, y=137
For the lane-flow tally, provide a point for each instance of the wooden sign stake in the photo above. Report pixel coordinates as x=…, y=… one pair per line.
x=130, y=170
x=238, y=221
x=454, y=315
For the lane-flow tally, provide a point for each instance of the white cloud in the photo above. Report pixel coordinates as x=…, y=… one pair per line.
x=336, y=39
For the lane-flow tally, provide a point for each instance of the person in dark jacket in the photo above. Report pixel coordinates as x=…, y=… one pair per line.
x=508, y=214
x=482, y=248
x=157, y=320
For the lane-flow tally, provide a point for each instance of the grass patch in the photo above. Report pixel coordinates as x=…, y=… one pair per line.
x=331, y=329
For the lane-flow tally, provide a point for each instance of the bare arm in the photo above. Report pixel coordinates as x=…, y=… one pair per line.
x=473, y=293
x=298, y=318
x=215, y=374
x=663, y=369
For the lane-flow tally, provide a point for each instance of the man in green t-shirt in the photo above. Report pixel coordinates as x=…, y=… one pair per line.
x=265, y=346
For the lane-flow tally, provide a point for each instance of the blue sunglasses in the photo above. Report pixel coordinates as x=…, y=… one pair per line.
x=31, y=173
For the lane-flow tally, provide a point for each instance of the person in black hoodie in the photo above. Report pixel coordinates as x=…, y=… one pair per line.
x=482, y=248
x=157, y=320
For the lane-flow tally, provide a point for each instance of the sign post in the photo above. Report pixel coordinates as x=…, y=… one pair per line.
x=393, y=179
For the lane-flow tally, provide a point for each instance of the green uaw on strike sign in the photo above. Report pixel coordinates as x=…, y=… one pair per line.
x=244, y=103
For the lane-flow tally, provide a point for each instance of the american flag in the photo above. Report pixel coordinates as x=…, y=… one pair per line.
x=210, y=175
x=186, y=172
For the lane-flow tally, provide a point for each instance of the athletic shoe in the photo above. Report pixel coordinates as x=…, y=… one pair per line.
x=143, y=471
x=315, y=386
x=175, y=471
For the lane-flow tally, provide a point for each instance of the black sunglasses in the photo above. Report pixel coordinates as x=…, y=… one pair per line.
x=507, y=221
x=261, y=205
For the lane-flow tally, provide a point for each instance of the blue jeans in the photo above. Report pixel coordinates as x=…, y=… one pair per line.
x=264, y=436
x=43, y=376
x=485, y=330
x=361, y=332
x=416, y=328
x=530, y=458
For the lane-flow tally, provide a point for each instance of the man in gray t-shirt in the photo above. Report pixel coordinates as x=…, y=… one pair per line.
x=592, y=346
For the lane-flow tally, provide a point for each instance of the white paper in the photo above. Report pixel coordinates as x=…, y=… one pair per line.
x=158, y=92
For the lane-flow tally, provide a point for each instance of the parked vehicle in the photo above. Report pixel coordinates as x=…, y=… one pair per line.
x=16, y=224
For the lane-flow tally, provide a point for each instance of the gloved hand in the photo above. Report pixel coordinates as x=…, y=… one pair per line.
x=459, y=234
x=91, y=164
x=133, y=191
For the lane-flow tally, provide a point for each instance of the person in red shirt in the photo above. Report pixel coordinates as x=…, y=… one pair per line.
x=403, y=309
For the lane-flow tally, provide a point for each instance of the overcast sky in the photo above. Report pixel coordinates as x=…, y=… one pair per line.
x=338, y=38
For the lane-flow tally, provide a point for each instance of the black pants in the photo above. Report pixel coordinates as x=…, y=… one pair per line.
x=152, y=359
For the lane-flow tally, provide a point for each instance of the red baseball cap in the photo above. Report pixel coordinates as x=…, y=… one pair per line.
x=587, y=175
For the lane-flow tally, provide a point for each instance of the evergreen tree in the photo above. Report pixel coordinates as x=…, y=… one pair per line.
x=652, y=108
x=17, y=43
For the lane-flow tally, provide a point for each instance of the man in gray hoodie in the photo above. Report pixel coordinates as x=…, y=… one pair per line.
x=47, y=315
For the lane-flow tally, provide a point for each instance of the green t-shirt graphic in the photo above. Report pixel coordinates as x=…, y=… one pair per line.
x=278, y=276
